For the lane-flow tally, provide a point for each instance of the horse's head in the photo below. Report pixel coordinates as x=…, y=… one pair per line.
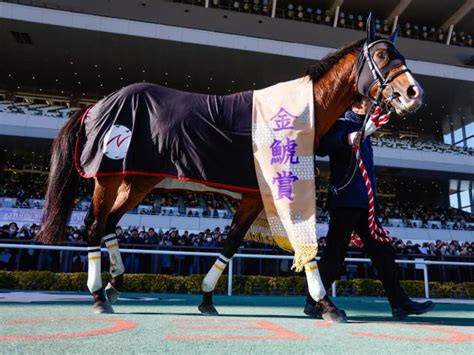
x=383, y=76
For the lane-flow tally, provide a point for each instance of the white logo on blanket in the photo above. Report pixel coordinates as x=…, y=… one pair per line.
x=116, y=142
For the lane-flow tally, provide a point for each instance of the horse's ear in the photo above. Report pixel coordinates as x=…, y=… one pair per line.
x=393, y=37
x=370, y=29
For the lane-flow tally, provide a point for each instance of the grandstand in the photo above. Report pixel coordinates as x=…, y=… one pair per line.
x=59, y=56
x=425, y=162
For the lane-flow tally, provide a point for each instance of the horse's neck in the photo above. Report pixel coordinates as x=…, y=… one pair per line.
x=334, y=92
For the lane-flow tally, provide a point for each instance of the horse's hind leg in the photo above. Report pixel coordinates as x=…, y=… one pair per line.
x=105, y=192
x=250, y=207
x=130, y=193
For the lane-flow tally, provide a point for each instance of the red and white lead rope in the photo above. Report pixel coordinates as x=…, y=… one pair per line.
x=377, y=119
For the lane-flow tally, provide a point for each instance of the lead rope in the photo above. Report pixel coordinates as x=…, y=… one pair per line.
x=377, y=232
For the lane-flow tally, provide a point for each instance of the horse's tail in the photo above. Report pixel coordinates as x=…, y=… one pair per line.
x=63, y=181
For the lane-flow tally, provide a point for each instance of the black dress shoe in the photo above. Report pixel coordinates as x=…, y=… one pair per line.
x=326, y=310
x=410, y=307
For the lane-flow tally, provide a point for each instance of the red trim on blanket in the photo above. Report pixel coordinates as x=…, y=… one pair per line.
x=83, y=174
x=76, y=153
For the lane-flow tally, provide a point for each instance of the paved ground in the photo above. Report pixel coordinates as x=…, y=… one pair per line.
x=145, y=323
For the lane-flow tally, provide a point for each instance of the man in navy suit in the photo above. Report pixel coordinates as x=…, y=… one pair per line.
x=350, y=212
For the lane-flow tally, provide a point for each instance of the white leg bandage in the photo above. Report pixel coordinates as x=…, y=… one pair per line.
x=315, y=285
x=210, y=281
x=116, y=264
x=94, y=278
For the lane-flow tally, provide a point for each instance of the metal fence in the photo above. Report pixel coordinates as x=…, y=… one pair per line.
x=423, y=264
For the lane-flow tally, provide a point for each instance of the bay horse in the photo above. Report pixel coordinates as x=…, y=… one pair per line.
x=370, y=67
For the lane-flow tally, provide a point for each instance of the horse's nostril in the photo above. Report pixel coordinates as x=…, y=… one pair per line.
x=413, y=92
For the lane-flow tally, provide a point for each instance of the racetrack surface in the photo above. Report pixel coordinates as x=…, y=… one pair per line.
x=149, y=323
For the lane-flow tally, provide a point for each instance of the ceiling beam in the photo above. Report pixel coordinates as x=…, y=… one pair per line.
x=334, y=4
x=458, y=15
x=398, y=10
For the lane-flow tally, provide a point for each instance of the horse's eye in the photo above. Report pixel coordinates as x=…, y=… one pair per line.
x=381, y=55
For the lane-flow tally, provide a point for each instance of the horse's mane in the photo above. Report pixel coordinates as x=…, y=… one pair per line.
x=317, y=70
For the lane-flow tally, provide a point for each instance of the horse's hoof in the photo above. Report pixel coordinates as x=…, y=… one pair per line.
x=312, y=311
x=326, y=310
x=111, y=293
x=335, y=316
x=102, y=307
x=208, y=310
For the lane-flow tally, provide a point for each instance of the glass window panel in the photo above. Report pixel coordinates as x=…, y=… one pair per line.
x=453, y=185
x=458, y=135
x=464, y=185
x=470, y=142
x=465, y=198
x=453, y=200
x=447, y=138
x=470, y=129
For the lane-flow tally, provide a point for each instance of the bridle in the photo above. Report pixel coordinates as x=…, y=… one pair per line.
x=368, y=74
x=382, y=77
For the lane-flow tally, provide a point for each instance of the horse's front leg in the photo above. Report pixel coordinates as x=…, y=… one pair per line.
x=323, y=306
x=249, y=208
x=315, y=285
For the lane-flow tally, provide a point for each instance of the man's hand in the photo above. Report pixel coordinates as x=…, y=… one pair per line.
x=353, y=138
x=378, y=118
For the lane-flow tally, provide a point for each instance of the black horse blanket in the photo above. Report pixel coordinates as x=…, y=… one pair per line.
x=147, y=129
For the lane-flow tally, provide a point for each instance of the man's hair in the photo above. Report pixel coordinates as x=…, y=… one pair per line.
x=358, y=99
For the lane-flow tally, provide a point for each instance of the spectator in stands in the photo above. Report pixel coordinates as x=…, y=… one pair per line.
x=121, y=237
x=132, y=261
x=6, y=257
x=12, y=230
x=75, y=237
x=151, y=237
x=165, y=260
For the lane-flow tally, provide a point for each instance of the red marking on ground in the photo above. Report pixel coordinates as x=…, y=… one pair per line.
x=209, y=320
x=453, y=335
x=119, y=142
x=276, y=332
x=322, y=324
x=197, y=327
x=118, y=326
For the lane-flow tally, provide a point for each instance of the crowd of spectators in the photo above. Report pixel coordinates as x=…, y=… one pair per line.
x=191, y=199
x=37, y=107
x=431, y=146
x=28, y=190
x=23, y=187
x=207, y=240
x=415, y=215
x=437, y=249
x=301, y=12
x=147, y=237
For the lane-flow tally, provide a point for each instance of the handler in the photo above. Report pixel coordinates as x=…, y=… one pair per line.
x=350, y=210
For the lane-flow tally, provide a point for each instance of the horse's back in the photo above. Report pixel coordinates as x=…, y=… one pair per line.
x=172, y=132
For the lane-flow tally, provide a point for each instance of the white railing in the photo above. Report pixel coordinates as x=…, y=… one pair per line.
x=421, y=263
